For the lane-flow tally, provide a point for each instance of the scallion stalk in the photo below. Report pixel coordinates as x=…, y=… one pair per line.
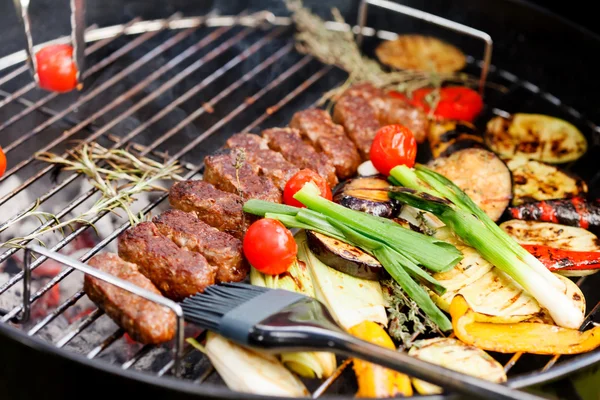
x=261, y=207
x=467, y=225
x=432, y=253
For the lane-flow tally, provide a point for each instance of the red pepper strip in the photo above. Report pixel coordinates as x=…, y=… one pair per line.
x=558, y=259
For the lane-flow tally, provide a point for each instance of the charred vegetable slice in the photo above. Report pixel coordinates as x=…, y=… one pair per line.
x=483, y=286
x=455, y=355
x=537, y=137
x=449, y=136
x=526, y=337
x=481, y=175
x=534, y=181
x=424, y=53
x=345, y=257
x=576, y=212
x=368, y=194
x=556, y=236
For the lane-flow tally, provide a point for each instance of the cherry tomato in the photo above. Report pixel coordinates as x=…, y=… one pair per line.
x=2, y=162
x=269, y=246
x=393, y=145
x=456, y=102
x=56, y=69
x=296, y=183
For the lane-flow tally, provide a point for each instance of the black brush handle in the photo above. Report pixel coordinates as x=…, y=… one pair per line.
x=435, y=374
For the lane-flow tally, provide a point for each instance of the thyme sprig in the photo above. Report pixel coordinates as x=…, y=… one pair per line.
x=406, y=320
x=339, y=48
x=117, y=174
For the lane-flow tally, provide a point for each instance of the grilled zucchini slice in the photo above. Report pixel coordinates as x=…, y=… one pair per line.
x=458, y=356
x=367, y=194
x=536, y=137
x=535, y=181
x=423, y=53
x=481, y=175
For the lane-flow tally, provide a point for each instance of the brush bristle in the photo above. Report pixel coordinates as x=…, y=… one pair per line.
x=206, y=309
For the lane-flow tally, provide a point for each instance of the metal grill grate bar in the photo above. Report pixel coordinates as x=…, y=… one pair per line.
x=87, y=321
x=105, y=344
x=56, y=312
x=11, y=75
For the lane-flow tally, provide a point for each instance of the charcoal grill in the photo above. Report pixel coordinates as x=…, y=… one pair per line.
x=175, y=88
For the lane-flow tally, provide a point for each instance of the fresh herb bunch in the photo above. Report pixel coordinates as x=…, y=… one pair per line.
x=406, y=320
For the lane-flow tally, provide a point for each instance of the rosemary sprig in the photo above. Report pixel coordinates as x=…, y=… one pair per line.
x=339, y=48
x=119, y=181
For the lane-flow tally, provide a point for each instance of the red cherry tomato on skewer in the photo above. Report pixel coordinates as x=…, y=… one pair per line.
x=296, y=183
x=456, y=102
x=57, y=71
x=2, y=162
x=269, y=246
x=393, y=145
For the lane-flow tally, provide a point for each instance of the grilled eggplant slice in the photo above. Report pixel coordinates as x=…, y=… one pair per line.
x=344, y=257
x=367, y=194
x=455, y=355
x=535, y=181
x=449, y=136
x=483, y=177
x=535, y=136
x=422, y=53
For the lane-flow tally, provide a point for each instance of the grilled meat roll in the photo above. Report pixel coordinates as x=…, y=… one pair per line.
x=219, y=248
x=144, y=320
x=247, y=141
x=392, y=110
x=264, y=161
x=219, y=209
x=289, y=143
x=317, y=128
x=177, y=273
x=229, y=170
x=359, y=119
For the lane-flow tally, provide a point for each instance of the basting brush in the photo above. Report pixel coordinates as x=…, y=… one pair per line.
x=277, y=320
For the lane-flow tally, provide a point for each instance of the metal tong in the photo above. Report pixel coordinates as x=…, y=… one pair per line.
x=77, y=34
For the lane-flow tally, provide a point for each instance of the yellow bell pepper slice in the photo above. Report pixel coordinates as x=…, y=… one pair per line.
x=526, y=337
x=375, y=380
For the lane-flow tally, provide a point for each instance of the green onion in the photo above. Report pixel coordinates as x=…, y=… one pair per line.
x=261, y=207
x=434, y=254
x=372, y=246
x=457, y=196
x=469, y=222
